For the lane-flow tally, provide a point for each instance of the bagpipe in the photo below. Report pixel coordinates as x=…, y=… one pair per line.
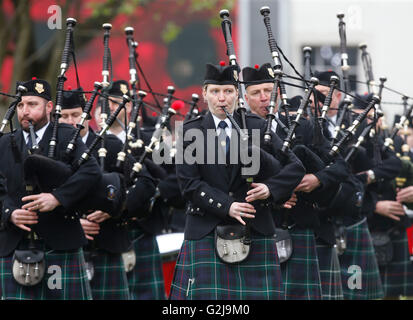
x=268, y=164
x=12, y=110
x=278, y=84
x=70, y=24
x=347, y=195
x=106, y=80
x=28, y=262
x=49, y=173
x=137, y=102
x=346, y=105
x=371, y=85
x=109, y=193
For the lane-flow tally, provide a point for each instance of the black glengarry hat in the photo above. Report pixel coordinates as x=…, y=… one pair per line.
x=257, y=75
x=36, y=87
x=220, y=74
x=324, y=77
x=294, y=103
x=73, y=99
x=362, y=101
x=118, y=88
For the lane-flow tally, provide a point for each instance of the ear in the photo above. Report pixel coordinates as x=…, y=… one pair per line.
x=246, y=96
x=49, y=107
x=204, y=92
x=338, y=93
x=128, y=107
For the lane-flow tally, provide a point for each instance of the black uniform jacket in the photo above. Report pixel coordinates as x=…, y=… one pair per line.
x=212, y=188
x=385, y=171
x=113, y=235
x=60, y=229
x=304, y=214
x=169, y=195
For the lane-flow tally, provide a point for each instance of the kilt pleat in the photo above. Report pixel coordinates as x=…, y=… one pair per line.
x=300, y=273
x=330, y=273
x=397, y=276
x=200, y=275
x=360, y=253
x=65, y=279
x=146, y=279
x=110, y=281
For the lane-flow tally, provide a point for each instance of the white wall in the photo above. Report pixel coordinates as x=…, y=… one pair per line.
x=386, y=26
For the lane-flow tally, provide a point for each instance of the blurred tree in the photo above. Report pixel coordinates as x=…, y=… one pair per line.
x=36, y=50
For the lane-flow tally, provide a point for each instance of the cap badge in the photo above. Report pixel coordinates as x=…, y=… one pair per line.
x=39, y=87
x=123, y=88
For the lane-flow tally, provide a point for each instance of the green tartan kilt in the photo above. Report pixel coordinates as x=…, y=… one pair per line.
x=72, y=285
x=397, y=276
x=146, y=279
x=360, y=253
x=330, y=272
x=109, y=281
x=201, y=275
x=300, y=273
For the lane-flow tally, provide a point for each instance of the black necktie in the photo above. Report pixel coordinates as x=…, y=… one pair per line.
x=223, y=138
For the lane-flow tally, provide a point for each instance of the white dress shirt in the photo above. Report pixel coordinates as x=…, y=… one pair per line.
x=39, y=134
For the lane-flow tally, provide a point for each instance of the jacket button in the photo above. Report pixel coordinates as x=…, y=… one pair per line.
x=211, y=200
x=202, y=194
x=219, y=205
x=231, y=194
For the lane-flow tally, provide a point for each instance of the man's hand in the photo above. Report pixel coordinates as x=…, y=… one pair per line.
x=308, y=184
x=89, y=228
x=259, y=191
x=98, y=216
x=20, y=218
x=405, y=195
x=390, y=209
x=238, y=210
x=291, y=202
x=43, y=202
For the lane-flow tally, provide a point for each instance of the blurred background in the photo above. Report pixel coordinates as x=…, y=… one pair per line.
x=176, y=39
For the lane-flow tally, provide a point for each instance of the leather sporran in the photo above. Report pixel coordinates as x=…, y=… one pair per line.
x=28, y=266
x=284, y=244
x=232, y=243
x=383, y=247
x=340, y=233
x=129, y=260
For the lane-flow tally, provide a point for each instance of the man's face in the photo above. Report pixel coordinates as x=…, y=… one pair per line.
x=114, y=103
x=335, y=101
x=73, y=117
x=258, y=98
x=218, y=96
x=370, y=116
x=35, y=109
